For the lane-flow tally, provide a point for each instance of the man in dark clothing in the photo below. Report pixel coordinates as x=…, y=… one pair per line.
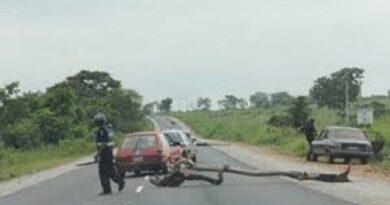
x=105, y=156
x=310, y=132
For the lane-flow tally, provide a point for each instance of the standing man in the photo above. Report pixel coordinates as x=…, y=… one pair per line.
x=104, y=146
x=310, y=132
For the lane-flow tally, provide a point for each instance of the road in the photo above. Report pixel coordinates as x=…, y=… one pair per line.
x=80, y=187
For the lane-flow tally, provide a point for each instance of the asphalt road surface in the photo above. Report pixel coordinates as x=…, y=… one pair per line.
x=81, y=186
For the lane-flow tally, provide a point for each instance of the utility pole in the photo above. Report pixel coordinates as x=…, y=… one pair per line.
x=346, y=101
x=360, y=93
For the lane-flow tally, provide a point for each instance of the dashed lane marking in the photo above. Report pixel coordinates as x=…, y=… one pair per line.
x=139, y=189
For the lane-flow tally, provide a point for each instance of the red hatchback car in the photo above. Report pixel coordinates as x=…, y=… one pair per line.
x=145, y=151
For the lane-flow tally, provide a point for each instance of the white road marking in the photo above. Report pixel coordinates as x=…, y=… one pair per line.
x=147, y=178
x=139, y=189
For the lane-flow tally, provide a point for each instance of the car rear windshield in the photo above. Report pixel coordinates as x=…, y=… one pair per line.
x=347, y=134
x=140, y=142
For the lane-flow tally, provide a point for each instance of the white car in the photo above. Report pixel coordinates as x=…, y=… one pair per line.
x=186, y=141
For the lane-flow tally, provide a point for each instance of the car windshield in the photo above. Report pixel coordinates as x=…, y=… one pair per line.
x=173, y=137
x=188, y=135
x=347, y=134
x=140, y=142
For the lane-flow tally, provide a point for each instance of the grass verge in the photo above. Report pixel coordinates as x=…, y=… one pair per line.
x=250, y=126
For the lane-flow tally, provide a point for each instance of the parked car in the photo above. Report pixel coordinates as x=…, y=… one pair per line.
x=146, y=151
x=341, y=142
x=178, y=137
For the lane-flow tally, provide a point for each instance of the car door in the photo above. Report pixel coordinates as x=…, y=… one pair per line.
x=190, y=146
x=320, y=145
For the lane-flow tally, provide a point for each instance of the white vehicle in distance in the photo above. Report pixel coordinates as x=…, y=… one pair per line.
x=186, y=142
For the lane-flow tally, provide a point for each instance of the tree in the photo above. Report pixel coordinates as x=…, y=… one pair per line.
x=259, y=99
x=150, y=107
x=230, y=102
x=330, y=91
x=165, y=105
x=65, y=110
x=61, y=100
x=88, y=84
x=124, y=108
x=13, y=107
x=281, y=98
x=242, y=103
x=8, y=91
x=299, y=111
x=203, y=103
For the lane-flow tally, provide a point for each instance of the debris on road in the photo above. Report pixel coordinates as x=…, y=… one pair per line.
x=207, y=144
x=181, y=172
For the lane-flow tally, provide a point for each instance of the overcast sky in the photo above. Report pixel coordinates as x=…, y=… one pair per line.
x=191, y=48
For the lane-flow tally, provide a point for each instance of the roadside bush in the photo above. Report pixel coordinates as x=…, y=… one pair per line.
x=280, y=121
x=52, y=128
x=379, y=108
x=21, y=136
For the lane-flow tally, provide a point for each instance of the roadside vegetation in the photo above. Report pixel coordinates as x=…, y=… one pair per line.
x=274, y=120
x=39, y=130
x=251, y=126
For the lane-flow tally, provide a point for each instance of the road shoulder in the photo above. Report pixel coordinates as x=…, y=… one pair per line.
x=363, y=190
x=20, y=183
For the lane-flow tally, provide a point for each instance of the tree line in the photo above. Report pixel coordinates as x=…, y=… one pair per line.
x=65, y=110
x=329, y=91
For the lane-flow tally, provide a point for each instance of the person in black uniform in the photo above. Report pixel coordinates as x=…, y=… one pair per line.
x=105, y=156
x=310, y=132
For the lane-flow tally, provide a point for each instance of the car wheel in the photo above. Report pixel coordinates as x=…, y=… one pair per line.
x=364, y=160
x=314, y=157
x=329, y=157
x=137, y=172
x=311, y=156
x=347, y=160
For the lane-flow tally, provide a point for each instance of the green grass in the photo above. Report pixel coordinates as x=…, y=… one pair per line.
x=247, y=126
x=250, y=126
x=16, y=163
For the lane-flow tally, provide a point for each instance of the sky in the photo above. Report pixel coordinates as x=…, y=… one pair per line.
x=188, y=49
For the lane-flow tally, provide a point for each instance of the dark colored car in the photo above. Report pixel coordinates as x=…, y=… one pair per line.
x=146, y=151
x=341, y=142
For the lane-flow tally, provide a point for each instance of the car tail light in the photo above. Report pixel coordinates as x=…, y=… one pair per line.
x=123, y=155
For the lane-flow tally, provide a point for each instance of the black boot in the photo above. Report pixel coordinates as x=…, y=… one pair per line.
x=121, y=185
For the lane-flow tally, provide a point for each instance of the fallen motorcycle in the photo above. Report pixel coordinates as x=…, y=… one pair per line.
x=184, y=168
